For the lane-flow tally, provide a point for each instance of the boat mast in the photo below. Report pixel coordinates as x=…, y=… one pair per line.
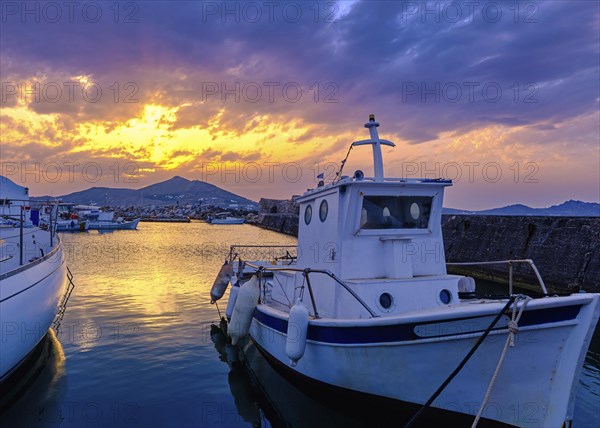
x=371, y=125
x=376, y=142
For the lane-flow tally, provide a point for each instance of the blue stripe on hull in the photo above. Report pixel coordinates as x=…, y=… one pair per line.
x=406, y=332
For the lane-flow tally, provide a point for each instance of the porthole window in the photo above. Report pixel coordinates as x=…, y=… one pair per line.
x=323, y=208
x=445, y=296
x=308, y=214
x=386, y=300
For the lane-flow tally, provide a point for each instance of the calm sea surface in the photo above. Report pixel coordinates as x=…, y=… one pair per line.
x=135, y=347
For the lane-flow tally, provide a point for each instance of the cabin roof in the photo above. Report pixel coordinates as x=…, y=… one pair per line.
x=369, y=181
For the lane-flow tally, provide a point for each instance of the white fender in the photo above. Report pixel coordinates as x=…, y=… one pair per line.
x=296, y=333
x=221, y=282
x=233, y=293
x=247, y=299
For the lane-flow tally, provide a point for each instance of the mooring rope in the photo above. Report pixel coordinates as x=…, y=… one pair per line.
x=513, y=328
x=218, y=310
x=461, y=365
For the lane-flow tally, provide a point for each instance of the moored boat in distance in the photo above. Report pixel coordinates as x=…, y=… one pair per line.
x=66, y=218
x=225, y=218
x=367, y=309
x=33, y=278
x=104, y=220
x=118, y=224
x=72, y=225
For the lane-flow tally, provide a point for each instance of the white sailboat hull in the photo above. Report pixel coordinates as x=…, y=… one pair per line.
x=29, y=301
x=535, y=386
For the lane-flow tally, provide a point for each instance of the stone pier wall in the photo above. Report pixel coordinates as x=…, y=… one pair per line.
x=566, y=250
x=278, y=215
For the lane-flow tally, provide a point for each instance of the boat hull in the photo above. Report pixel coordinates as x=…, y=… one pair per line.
x=535, y=386
x=228, y=221
x=29, y=301
x=106, y=225
x=72, y=226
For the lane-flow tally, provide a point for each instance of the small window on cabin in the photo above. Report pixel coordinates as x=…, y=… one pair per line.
x=307, y=215
x=396, y=212
x=323, y=209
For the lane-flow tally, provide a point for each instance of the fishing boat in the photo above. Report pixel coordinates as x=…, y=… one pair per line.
x=367, y=309
x=72, y=225
x=116, y=224
x=104, y=220
x=225, y=218
x=66, y=219
x=33, y=278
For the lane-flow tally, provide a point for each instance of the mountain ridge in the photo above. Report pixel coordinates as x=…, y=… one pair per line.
x=570, y=208
x=176, y=190
x=181, y=190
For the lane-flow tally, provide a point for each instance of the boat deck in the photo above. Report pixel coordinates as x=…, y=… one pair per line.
x=36, y=244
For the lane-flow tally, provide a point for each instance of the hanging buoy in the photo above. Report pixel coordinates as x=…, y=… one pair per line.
x=221, y=282
x=246, y=301
x=233, y=293
x=296, y=333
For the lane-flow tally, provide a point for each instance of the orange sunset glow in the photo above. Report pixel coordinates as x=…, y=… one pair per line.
x=161, y=97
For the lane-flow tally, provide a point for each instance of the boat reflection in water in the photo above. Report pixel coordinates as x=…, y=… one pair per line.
x=242, y=390
x=262, y=393
x=33, y=395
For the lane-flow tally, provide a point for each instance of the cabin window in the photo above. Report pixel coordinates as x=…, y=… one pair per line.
x=395, y=212
x=323, y=209
x=307, y=215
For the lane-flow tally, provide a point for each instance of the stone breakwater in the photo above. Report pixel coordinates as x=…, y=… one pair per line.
x=566, y=250
x=278, y=215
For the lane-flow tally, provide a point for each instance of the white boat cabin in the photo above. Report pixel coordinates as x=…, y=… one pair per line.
x=380, y=236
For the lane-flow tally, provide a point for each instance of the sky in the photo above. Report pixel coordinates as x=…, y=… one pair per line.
x=260, y=97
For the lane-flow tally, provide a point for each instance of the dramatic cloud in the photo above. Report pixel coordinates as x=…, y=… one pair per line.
x=176, y=87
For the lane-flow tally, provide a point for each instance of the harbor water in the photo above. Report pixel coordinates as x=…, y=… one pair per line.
x=137, y=346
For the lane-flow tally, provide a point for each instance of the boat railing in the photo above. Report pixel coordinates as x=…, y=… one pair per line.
x=20, y=219
x=263, y=252
x=510, y=264
x=306, y=273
